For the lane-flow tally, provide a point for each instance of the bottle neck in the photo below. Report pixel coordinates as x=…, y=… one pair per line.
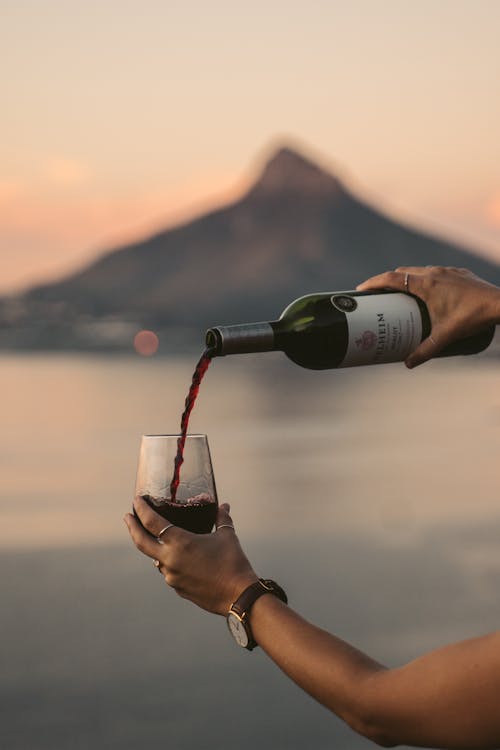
x=241, y=339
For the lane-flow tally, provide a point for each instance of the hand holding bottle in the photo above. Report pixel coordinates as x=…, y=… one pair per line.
x=459, y=303
x=375, y=324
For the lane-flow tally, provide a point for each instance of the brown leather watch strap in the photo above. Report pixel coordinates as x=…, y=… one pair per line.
x=247, y=599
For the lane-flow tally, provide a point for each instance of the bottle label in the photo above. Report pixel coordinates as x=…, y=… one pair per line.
x=382, y=328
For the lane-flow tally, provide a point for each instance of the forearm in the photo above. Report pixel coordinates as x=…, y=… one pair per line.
x=494, y=308
x=447, y=698
x=329, y=669
x=487, y=309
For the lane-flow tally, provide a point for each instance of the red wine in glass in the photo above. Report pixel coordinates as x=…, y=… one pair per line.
x=197, y=514
x=190, y=500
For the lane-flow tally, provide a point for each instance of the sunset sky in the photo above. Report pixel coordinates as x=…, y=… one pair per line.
x=120, y=117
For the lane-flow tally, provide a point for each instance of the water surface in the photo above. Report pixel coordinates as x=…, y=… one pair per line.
x=371, y=495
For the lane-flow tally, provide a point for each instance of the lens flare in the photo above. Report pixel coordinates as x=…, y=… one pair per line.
x=146, y=343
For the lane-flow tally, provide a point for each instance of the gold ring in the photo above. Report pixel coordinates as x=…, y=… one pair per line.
x=407, y=276
x=166, y=528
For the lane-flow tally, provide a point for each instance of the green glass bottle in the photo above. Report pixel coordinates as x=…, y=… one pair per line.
x=342, y=329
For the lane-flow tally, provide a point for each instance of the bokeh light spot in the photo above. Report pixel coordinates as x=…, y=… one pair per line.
x=146, y=343
x=493, y=210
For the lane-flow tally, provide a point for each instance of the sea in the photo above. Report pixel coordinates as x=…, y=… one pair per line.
x=370, y=494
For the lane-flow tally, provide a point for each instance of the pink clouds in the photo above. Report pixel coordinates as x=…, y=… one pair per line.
x=65, y=214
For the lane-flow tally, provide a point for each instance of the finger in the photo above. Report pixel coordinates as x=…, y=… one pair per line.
x=387, y=280
x=408, y=281
x=394, y=279
x=150, y=519
x=223, y=518
x=144, y=542
x=414, y=270
x=160, y=567
x=425, y=351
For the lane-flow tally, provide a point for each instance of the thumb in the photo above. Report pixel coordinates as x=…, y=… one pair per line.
x=223, y=517
x=427, y=349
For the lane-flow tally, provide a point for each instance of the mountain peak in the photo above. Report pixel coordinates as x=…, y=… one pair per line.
x=289, y=171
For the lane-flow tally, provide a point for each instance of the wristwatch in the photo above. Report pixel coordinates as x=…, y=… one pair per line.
x=237, y=617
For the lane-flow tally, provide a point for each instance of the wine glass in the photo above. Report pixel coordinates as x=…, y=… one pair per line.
x=193, y=503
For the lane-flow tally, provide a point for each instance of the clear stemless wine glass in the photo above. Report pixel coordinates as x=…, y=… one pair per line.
x=195, y=504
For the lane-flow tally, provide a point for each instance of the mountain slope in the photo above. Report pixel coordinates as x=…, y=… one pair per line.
x=297, y=230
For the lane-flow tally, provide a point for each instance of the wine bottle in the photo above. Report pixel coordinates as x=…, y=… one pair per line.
x=342, y=329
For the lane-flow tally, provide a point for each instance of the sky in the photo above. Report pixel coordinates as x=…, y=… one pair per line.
x=122, y=117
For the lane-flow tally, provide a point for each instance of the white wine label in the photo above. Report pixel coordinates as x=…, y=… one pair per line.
x=382, y=328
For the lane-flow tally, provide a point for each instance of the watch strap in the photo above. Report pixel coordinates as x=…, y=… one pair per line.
x=247, y=599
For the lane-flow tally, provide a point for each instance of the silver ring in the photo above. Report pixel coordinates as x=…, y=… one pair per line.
x=433, y=340
x=225, y=526
x=166, y=528
x=156, y=563
x=407, y=276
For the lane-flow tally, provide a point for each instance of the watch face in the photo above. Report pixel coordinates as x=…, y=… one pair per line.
x=237, y=629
